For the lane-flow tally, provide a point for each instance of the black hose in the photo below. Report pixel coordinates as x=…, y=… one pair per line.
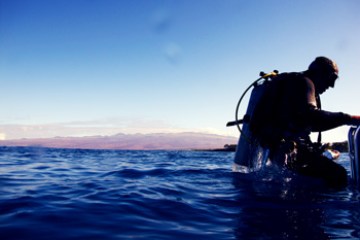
x=264, y=77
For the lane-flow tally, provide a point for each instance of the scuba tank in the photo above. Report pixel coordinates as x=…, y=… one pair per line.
x=249, y=155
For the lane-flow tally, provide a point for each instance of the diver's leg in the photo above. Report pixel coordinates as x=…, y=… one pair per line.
x=321, y=167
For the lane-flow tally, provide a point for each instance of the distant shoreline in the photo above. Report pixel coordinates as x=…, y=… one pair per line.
x=341, y=147
x=155, y=141
x=226, y=148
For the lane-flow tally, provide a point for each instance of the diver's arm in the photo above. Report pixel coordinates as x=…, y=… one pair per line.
x=320, y=120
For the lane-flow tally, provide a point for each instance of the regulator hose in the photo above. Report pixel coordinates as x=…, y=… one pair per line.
x=263, y=76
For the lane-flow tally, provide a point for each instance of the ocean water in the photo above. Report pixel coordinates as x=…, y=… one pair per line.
x=92, y=194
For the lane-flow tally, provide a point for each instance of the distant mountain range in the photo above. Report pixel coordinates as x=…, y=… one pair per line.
x=155, y=141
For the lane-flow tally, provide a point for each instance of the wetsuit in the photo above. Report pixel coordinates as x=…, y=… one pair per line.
x=283, y=120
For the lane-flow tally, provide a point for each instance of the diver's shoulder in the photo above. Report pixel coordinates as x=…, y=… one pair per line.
x=292, y=75
x=295, y=76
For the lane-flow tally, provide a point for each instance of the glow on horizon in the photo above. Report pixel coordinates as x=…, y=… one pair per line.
x=153, y=65
x=93, y=128
x=2, y=136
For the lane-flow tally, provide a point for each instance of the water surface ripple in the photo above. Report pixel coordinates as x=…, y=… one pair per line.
x=103, y=194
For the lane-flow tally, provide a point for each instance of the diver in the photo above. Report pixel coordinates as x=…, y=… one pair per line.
x=289, y=110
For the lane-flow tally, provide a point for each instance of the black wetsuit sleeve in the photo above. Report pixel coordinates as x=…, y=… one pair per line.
x=320, y=120
x=316, y=119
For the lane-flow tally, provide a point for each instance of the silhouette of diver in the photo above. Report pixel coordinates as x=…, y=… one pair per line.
x=289, y=110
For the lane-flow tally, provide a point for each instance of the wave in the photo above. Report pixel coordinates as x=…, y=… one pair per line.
x=107, y=194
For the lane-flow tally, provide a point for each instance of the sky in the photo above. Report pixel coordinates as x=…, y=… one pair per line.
x=102, y=67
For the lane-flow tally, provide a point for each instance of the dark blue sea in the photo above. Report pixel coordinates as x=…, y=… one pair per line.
x=104, y=194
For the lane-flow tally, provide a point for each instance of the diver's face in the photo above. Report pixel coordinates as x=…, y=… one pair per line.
x=327, y=80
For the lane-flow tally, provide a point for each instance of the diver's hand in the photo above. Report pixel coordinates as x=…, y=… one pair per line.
x=355, y=120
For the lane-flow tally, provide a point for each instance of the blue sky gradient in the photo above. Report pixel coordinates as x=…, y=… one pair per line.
x=84, y=67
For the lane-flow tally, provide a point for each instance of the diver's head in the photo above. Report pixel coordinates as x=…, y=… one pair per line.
x=324, y=72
